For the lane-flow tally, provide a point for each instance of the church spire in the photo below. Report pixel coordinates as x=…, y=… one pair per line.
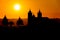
x=39, y=14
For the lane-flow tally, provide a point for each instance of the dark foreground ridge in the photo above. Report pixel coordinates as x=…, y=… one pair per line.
x=37, y=24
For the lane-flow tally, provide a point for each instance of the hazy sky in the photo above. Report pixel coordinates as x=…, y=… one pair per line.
x=49, y=8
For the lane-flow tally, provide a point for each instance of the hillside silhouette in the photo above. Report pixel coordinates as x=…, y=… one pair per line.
x=35, y=24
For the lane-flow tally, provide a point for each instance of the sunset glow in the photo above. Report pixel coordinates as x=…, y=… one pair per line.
x=20, y=8
x=17, y=7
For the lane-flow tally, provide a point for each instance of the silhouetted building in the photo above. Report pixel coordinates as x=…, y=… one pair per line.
x=39, y=16
x=19, y=22
x=29, y=17
x=5, y=21
x=37, y=24
x=34, y=19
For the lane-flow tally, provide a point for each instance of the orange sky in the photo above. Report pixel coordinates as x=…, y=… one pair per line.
x=49, y=8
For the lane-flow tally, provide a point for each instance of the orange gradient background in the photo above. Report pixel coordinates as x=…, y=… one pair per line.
x=49, y=8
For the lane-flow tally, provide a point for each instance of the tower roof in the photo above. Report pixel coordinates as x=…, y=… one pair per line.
x=30, y=11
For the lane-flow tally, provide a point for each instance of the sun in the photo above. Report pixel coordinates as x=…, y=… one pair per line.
x=17, y=7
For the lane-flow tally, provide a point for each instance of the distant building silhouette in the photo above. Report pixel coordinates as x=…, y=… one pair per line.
x=34, y=20
x=37, y=24
x=29, y=17
x=19, y=22
x=39, y=16
x=5, y=21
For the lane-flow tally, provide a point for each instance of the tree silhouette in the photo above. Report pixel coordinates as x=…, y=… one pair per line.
x=19, y=22
x=11, y=24
x=5, y=21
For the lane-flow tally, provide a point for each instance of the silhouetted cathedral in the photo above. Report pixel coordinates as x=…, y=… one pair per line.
x=35, y=24
x=32, y=19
